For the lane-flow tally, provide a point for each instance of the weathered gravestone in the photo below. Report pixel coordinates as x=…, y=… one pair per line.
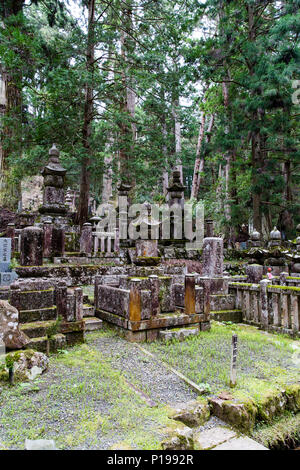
x=5, y=254
x=212, y=257
x=6, y=276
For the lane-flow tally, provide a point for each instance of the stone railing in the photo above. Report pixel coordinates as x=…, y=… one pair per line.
x=107, y=242
x=271, y=307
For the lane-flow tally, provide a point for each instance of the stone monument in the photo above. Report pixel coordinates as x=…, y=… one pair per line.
x=53, y=193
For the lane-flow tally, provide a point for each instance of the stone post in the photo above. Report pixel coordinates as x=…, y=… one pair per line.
x=117, y=241
x=10, y=233
x=212, y=257
x=135, y=304
x=209, y=225
x=48, y=232
x=61, y=293
x=264, y=302
x=31, y=249
x=206, y=283
x=97, y=282
x=78, y=293
x=254, y=273
x=86, y=239
x=283, y=281
x=154, y=287
x=189, y=294
x=58, y=241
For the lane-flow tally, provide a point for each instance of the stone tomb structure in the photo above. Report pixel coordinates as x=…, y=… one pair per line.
x=143, y=306
x=40, y=302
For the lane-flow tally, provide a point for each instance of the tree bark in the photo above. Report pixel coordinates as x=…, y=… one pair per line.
x=127, y=125
x=10, y=112
x=202, y=159
x=194, y=191
x=85, y=180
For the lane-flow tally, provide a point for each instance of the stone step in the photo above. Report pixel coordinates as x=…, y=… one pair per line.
x=40, y=344
x=235, y=316
x=224, y=438
x=222, y=302
x=37, y=328
x=177, y=333
x=92, y=323
x=41, y=314
x=88, y=310
x=240, y=443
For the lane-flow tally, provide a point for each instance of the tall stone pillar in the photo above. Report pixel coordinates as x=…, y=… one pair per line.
x=10, y=233
x=213, y=257
x=135, y=304
x=48, y=231
x=190, y=295
x=32, y=240
x=154, y=287
x=86, y=239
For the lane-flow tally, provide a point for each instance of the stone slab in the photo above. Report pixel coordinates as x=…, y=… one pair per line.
x=92, y=323
x=40, y=444
x=240, y=443
x=212, y=437
x=5, y=254
x=179, y=334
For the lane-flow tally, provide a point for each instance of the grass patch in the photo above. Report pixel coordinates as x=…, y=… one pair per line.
x=81, y=403
x=283, y=433
x=265, y=361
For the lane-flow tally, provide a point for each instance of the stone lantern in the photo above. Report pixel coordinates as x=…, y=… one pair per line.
x=255, y=240
x=54, y=176
x=176, y=190
x=275, y=238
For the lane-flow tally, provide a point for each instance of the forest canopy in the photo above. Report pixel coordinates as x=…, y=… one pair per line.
x=131, y=89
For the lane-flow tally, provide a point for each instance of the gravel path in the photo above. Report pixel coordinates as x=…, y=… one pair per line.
x=158, y=383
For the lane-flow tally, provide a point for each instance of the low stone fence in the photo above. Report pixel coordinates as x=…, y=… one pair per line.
x=271, y=307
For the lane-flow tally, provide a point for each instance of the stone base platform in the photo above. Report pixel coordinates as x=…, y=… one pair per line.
x=149, y=330
x=92, y=323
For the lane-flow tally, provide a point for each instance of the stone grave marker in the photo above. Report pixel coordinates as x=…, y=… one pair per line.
x=6, y=275
x=5, y=254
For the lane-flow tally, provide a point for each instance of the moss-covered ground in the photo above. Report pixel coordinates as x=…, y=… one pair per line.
x=265, y=362
x=82, y=402
x=85, y=400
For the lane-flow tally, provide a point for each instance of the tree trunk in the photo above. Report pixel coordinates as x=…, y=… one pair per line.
x=10, y=108
x=177, y=138
x=165, y=176
x=127, y=125
x=88, y=119
x=194, y=191
x=202, y=159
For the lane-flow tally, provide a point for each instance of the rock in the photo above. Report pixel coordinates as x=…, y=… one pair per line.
x=10, y=334
x=241, y=415
x=293, y=397
x=209, y=438
x=179, y=333
x=40, y=444
x=225, y=396
x=30, y=363
x=194, y=413
x=180, y=439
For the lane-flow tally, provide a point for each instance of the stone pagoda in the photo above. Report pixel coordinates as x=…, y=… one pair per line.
x=54, y=194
